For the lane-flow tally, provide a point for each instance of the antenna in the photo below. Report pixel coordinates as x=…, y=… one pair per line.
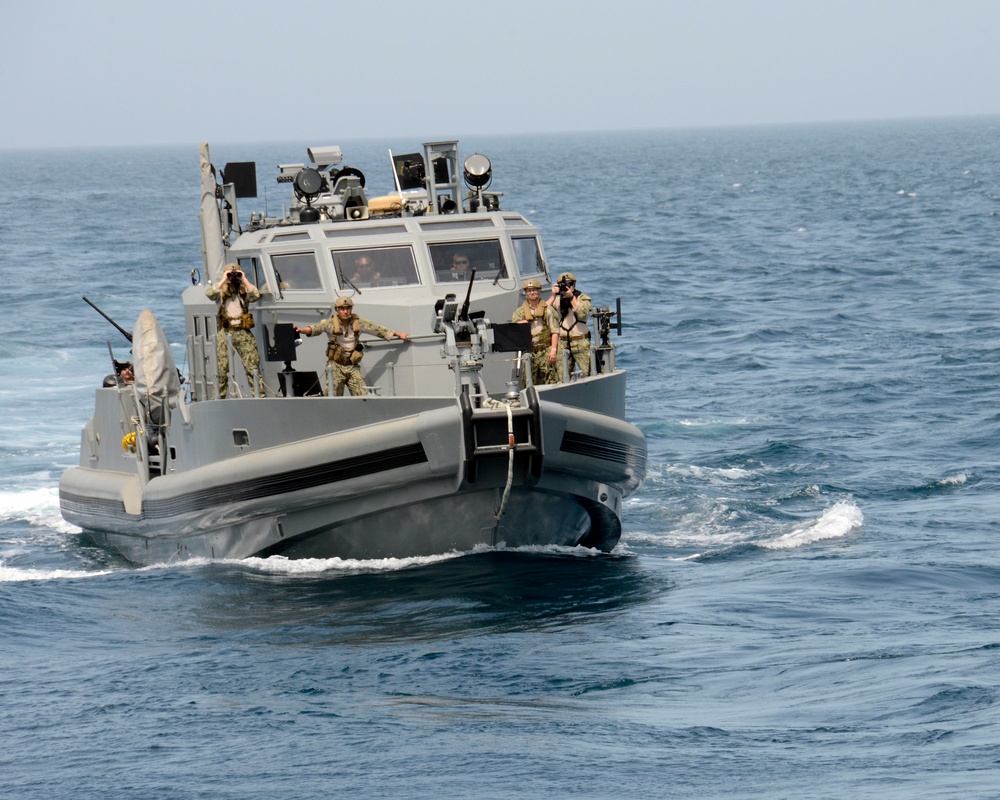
x=395, y=176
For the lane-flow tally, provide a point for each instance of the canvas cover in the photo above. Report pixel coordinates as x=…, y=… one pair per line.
x=156, y=377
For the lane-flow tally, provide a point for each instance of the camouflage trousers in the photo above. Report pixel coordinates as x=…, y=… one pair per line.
x=541, y=371
x=579, y=354
x=246, y=347
x=349, y=376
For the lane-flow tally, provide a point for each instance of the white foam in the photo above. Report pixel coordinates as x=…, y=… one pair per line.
x=20, y=575
x=733, y=473
x=700, y=473
x=708, y=528
x=38, y=506
x=707, y=423
x=281, y=565
x=679, y=541
x=544, y=550
x=313, y=566
x=954, y=480
x=835, y=522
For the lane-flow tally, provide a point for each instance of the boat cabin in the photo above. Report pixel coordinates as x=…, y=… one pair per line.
x=399, y=257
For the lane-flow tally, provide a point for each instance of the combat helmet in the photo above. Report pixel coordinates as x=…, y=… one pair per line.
x=344, y=302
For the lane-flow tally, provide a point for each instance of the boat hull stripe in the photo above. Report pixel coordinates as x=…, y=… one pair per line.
x=292, y=481
x=273, y=485
x=583, y=444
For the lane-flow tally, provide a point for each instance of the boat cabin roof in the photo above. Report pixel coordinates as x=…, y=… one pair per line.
x=358, y=257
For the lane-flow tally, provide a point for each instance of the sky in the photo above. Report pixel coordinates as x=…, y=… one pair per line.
x=150, y=72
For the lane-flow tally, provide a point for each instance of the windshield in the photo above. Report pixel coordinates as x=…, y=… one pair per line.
x=454, y=262
x=375, y=267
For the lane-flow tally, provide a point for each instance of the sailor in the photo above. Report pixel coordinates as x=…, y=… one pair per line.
x=125, y=372
x=233, y=295
x=364, y=272
x=344, y=349
x=572, y=307
x=544, y=332
x=460, y=266
x=123, y=375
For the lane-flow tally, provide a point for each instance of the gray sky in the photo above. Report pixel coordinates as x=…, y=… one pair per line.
x=109, y=72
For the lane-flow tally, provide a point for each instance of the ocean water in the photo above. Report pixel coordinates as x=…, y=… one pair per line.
x=806, y=599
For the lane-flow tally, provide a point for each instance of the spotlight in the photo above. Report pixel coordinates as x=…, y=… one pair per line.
x=308, y=183
x=478, y=170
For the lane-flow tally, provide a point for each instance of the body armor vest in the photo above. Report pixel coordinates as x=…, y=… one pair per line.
x=246, y=318
x=571, y=327
x=339, y=354
x=540, y=332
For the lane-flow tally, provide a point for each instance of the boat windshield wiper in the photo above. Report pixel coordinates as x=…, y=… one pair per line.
x=277, y=275
x=344, y=279
x=503, y=268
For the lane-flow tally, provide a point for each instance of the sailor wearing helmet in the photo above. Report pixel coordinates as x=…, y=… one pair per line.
x=544, y=332
x=233, y=295
x=344, y=349
x=572, y=307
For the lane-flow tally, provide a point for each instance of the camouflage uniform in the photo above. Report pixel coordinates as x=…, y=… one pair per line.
x=573, y=331
x=341, y=350
x=234, y=322
x=544, y=322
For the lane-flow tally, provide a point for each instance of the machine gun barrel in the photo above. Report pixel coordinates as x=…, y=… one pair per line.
x=468, y=296
x=123, y=332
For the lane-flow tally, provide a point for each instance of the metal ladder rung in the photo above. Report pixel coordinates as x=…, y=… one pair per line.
x=502, y=449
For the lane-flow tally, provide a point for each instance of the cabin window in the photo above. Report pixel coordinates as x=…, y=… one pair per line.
x=296, y=272
x=341, y=233
x=375, y=267
x=529, y=257
x=515, y=220
x=249, y=267
x=453, y=262
x=451, y=224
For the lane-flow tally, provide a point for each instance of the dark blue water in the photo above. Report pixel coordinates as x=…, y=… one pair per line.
x=805, y=601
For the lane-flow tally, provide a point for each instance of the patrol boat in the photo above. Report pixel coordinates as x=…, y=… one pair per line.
x=452, y=448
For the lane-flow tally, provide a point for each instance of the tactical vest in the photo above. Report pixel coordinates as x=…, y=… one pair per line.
x=540, y=332
x=570, y=327
x=336, y=352
x=246, y=318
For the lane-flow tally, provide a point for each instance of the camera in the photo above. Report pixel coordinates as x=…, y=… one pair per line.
x=562, y=287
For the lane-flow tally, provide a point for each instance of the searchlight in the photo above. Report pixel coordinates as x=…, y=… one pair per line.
x=478, y=171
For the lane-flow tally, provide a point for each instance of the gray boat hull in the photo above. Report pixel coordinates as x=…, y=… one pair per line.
x=419, y=478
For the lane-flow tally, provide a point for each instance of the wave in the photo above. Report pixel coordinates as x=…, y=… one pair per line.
x=712, y=528
x=24, y=575
x=944, y=485
x=314, y=566
x=306, y=567
x=279, y=565
x=37, y=506
x=836, y=522
x=709, y=474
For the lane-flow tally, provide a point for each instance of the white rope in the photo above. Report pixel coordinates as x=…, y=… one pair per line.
x=510, y=465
